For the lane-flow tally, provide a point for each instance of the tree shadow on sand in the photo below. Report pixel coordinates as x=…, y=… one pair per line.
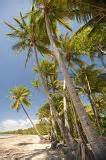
x=24, y=143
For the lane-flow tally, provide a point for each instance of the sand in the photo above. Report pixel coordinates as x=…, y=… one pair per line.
x=23, y=147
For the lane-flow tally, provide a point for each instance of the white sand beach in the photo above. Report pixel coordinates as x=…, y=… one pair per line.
x=23, y=147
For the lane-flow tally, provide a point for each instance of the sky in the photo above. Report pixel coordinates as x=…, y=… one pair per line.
x=13, y=71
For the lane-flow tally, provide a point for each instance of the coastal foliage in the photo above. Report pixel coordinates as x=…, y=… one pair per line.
x=67, y=71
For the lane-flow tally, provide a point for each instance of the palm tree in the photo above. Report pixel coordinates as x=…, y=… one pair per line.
x=90, y=38
x=87, y=127
x=48, y=70
x=87, y=79
x=49, y=75
x=32, y=37
x=84, y=119
x=20, y=97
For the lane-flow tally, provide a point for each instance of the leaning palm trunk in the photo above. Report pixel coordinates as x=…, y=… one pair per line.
x=69, y=140
x=34, y=126
x=95, y=111
x=97, y=146
x=96, y=115
x=65, y=108
x=53, y=123
x=75, y=120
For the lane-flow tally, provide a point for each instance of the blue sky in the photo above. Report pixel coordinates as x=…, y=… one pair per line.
x=12, y=69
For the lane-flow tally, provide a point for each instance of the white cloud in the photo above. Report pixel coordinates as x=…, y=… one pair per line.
x=11, y=124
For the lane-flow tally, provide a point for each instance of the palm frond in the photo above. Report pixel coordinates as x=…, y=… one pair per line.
x=26, y=102
x=10, y=26
x=36, y=83
x=16, y=105
x=63, y=22
x=19, y=46
x=29, y=54
x=19, y=23
x=22, y=18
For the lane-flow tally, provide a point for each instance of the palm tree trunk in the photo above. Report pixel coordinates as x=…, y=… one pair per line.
x=34, y=126
x=75, y=119
x=64, y=132
x=65, y=108
x=53, y=122
x=95, y=111
x=69, y=140
x=84, y=119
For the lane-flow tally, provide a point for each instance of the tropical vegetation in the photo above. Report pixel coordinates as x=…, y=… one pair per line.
x=67, y=70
